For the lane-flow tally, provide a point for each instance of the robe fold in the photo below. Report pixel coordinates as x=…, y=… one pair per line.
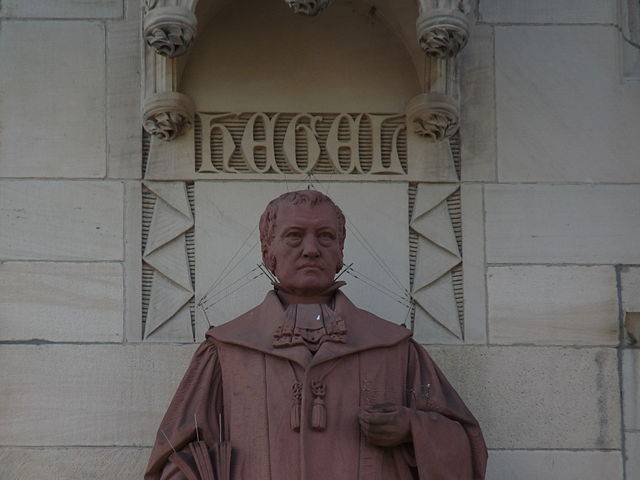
x=238, y=375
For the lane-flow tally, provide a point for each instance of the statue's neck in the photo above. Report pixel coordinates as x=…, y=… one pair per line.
x=324, y=297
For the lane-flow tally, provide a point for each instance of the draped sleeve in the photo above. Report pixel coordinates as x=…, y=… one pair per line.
x=447, y=441
x=198, y=398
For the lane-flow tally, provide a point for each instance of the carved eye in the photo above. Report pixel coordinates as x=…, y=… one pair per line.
x=293, y=238
x=326, y=238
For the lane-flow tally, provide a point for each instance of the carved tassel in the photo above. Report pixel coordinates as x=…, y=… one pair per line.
x=319, y=411
x=296, y=407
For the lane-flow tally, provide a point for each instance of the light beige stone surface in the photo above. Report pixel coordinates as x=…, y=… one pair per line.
x=61, y=220
x=631, y=388
x=562, y=224
x=630, y=280
x=548, y=11
x=92, y=395
x=538, y=397
x=56, y=301
x=553, y=305
x=563, y=113
x=123, y=99
x=632, y=454
x=52, y=107
x=475, y=304
x=61, y=8
x=75, y=463
x=345, y=60
x=546, y=465
x=478, y=117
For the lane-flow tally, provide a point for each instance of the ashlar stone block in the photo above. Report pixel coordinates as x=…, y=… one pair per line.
x=124, y=120
x=632, y=454
x=74, y=463
x=61, y=220
x=563, y=113
x=548, y=11
x=57, y=301
x=586, y=224
x=91, y=395
x=538, y=397
x=630, y=280
x=478, y=119
x=631, y=388
x=474, y=272
x=62, y=8
x=565, y=465
x=52, y=107
x=54, y=220
x=552, y=305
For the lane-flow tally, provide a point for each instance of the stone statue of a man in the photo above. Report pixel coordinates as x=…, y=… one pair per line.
x=308, y=386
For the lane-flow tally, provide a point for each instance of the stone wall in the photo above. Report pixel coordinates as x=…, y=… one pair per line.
x=550, y=146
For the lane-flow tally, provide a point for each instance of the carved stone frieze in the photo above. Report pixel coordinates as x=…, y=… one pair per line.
x=433, y=116
x=165, y=252
x=437, y=255
x=170, y=31
x=443, y=27
x=308, y=7
x=167, y=115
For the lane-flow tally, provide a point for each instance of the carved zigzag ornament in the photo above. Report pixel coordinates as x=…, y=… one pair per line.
x=437, y=255
x=166, y=252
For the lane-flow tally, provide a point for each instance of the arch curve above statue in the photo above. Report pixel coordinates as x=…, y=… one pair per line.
x=172, y=29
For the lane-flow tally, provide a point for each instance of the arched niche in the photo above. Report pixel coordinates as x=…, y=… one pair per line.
x=256, y=56
x=431, y=31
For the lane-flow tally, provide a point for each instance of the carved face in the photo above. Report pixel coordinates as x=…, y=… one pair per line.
x=306, y=252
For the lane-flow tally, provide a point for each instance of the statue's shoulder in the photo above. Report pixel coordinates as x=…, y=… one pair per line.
x=252, y=327
x=367, y=326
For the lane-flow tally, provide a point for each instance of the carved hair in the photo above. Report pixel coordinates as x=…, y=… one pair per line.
x=311, y=198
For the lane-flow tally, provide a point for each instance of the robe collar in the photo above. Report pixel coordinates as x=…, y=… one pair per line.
x=255, y=329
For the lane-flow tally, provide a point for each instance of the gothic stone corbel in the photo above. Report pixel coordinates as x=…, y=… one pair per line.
x=443, y=26
x=167, y=115
x=170, y=26
x=308, y=7
x=435, y=114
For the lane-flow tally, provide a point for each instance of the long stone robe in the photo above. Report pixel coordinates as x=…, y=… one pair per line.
x=238, y=375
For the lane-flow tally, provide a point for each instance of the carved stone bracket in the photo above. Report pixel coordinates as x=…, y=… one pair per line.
x=433, y=116
x=167, y=115
x=443, y=27
x=170, y=26
x=308, y=7
x=170, y=31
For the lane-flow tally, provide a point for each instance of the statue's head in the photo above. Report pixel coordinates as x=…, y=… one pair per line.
x=302, y=235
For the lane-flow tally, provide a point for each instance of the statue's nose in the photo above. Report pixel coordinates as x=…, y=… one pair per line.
x=310, y=247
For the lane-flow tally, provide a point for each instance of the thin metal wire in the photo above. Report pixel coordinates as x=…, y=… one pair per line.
x=232, y=292
x=395, y=299
x=401, y=295
x=207, y=298
x=363, y=241
x=224, y=275
x=167, y=438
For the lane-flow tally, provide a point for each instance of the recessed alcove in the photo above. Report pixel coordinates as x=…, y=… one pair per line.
x=257, y=56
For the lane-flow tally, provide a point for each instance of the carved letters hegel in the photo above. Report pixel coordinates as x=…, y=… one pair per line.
x=340, y=144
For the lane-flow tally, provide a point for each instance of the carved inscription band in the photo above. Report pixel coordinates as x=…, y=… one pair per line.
x=302, y=143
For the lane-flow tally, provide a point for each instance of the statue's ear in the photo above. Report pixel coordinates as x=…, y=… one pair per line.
x=270, y=263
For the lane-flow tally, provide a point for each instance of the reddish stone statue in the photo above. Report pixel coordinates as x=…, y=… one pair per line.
x=308, y=386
